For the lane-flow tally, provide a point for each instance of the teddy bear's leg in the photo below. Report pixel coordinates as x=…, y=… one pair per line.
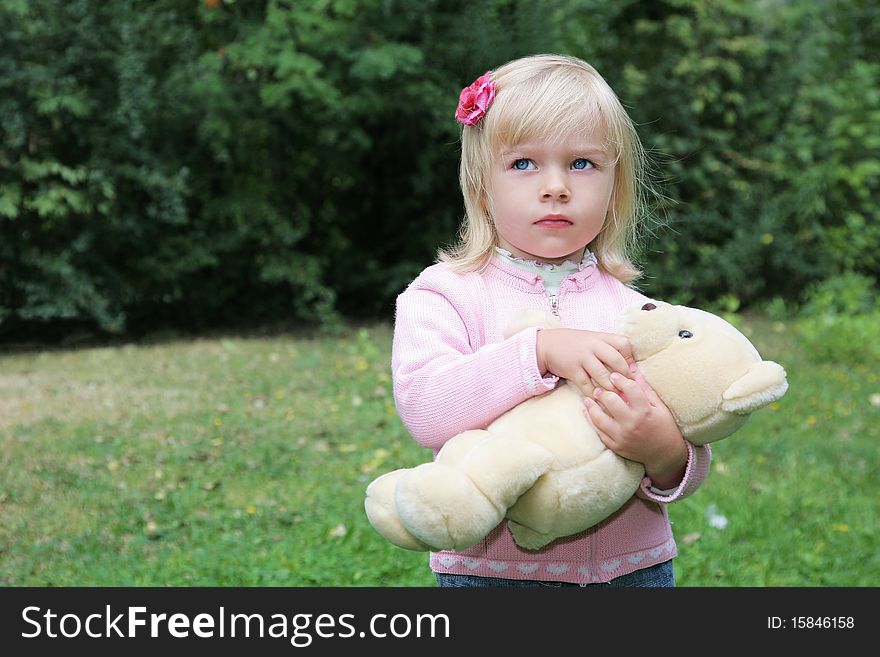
x=562, y=503
x=382, y=514
x=528, y=538
x=454, y=506
x=442, y=508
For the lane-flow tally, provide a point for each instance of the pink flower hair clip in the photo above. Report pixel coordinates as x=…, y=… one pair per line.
x=475, y=100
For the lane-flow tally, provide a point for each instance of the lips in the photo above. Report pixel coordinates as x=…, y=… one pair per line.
x=553, y=221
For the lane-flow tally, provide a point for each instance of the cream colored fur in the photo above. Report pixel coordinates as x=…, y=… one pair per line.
x=542, y=466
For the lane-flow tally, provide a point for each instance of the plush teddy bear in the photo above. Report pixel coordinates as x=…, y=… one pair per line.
x=541, y=464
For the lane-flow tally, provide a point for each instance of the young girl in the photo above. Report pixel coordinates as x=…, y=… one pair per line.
x=552, y=177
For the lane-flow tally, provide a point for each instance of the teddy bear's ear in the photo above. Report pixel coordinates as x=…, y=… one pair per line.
x=529, y=318
x=763, y=384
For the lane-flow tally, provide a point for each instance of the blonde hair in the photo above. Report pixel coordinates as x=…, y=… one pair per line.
x=551, y=97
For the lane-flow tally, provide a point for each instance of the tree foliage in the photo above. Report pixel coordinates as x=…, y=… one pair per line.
x=191, y=164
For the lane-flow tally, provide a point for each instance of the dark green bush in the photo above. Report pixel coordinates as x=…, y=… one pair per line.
x=168, y=164
x=846, y=294
x=840, y=320
x=853, y=339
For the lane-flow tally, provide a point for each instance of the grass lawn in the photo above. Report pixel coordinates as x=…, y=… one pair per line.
x=243, y=461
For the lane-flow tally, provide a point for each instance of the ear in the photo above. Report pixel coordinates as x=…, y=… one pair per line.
x=763, y=384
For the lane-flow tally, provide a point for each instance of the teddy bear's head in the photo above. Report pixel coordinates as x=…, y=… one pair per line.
x=706, y=371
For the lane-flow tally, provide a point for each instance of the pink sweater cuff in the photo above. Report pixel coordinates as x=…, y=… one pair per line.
x=528, y=359
x=696, y=471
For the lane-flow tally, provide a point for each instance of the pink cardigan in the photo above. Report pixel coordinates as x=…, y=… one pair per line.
x=453, y=371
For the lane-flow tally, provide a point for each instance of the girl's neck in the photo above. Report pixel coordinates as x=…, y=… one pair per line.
x=574, y=262
x=518, y=252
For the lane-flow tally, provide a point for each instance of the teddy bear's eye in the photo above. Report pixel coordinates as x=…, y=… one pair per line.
x=685, y=334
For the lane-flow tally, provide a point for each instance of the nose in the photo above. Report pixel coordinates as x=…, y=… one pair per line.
x=649, y=306
x=555, y=188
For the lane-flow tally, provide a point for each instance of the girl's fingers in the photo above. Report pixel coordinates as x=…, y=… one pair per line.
x=585, y=383
x=611, y=402
x=595, y=369
x=635, y=395
x=646, y=389
x=602, y=363
x=616, y=363
x=602, y=423
x=613, y=359
x=622, y=346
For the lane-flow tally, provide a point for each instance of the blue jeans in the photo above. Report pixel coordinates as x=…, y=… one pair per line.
x=659, y=576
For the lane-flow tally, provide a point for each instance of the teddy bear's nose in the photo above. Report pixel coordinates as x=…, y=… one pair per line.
x=649, y=306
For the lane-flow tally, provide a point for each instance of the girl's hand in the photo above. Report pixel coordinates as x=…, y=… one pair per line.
x=586, y=358
x=634, y=423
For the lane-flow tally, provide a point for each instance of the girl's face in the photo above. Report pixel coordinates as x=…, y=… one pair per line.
x=549, y=199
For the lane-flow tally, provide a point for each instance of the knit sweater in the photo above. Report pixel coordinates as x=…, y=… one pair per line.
x=453, y=370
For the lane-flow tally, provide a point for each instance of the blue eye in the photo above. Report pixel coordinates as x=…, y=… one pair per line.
x=521, y=164
x=581, y=163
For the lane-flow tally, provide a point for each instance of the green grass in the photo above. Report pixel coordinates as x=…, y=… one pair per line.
x=243, y=461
